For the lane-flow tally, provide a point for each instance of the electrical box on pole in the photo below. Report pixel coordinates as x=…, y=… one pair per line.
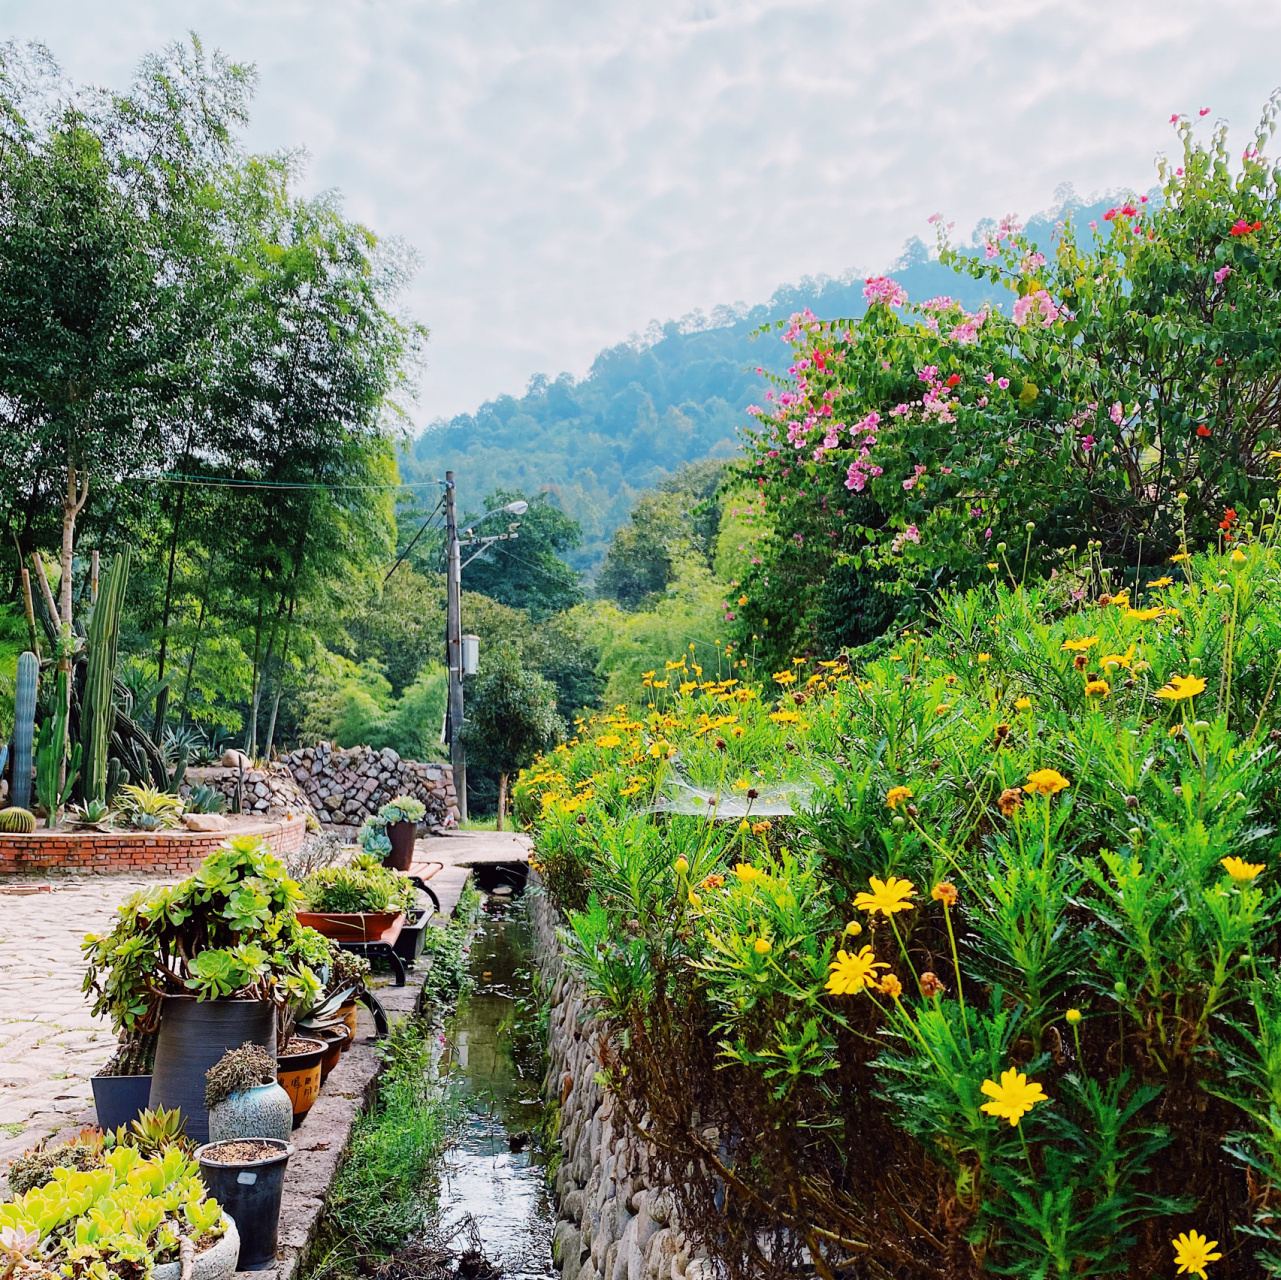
x=471, y=655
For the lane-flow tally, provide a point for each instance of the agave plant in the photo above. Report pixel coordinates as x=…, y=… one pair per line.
x=148, y=808
x=93, y=813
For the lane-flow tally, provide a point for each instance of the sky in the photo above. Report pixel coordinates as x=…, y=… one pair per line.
x=568, y=170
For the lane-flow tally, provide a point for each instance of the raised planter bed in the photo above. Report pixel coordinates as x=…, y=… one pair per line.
x=356, y=926
x=176, y=852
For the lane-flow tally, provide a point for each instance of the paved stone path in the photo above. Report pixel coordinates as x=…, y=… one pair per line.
x=50, y=1046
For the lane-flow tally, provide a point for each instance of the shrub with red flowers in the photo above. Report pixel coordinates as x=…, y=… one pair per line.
x=1137, y=362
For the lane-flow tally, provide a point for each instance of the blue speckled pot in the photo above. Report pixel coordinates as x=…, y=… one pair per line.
x=264, y=1112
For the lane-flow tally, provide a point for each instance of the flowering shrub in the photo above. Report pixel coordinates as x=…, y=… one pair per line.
x=1137, y=363
x=1000, y=995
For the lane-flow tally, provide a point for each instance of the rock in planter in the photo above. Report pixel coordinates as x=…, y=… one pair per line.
x=263, y=1112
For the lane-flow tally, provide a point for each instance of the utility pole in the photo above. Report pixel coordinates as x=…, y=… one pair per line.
x=454, y=643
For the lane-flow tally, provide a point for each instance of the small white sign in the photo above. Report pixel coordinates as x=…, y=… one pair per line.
x=246, y=1179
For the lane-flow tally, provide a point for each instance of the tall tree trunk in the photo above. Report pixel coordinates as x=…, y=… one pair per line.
x=502, y=799
x=71, y=508
x=195, y=644
x=251, y=731
x=162, y=698
x=280, y=676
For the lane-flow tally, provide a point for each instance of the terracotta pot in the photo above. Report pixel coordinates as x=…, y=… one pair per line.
x=299, y=1075
x=354, y=926
x=348, y=1012
x=402, y=836
x=335, y=1039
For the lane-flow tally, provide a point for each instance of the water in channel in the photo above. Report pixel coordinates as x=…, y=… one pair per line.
x=495, y=1170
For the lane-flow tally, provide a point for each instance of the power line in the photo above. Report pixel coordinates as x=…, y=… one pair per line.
x=217, y=482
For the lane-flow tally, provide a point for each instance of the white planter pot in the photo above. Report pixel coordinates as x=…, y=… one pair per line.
x=218, y=1262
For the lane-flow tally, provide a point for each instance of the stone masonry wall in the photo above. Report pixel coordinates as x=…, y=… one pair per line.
x=346, y=786
x=616, y=1220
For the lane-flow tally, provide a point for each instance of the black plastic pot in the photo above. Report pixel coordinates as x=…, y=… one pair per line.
x=250, y=1194
x=120, y=1100
x=409, y=942
x=194, y=1034
x=402, y=836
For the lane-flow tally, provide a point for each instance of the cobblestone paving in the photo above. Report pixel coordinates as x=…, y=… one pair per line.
x=50, y=1046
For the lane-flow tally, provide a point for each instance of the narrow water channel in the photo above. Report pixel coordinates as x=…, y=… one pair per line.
x=495, y=1171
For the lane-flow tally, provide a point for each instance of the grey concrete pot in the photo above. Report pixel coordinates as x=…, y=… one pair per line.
x=264, y=1112
x=218, y=1262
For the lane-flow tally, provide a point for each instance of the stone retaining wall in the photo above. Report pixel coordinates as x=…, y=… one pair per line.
x=269, y=791
x=344, y=786
x=617, y=1222
x=105, y=852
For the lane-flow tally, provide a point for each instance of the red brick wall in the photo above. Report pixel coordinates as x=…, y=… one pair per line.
x=140, y=852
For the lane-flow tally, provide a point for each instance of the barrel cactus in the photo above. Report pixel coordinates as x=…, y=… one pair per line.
x=15, y=821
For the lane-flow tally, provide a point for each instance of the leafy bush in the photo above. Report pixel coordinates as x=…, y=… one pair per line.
x=120, y=1217
x=348, y=889
x=962, y=958
x=1120, y=399
x=227, y=931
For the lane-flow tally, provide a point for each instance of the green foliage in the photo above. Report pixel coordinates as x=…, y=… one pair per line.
x=377, y=1201
x=1029, y=848
x=128, y=1211
x=347, y=889
x=1119, y=401
x=402, y=809
x=204, y=799
x=148, y=808
x=511, y=714
x=56, y=767
x=98, y=712
x=227, y=930
x=526, y=573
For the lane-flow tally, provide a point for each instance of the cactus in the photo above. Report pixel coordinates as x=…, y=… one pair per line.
x=51, y=753
x=15, y=821
x=98, y=710
x=117, y=774
x=24, y=718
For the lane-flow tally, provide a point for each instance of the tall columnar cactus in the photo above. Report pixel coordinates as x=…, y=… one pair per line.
x=53, y=782
x=24, y=720
x=98, y=710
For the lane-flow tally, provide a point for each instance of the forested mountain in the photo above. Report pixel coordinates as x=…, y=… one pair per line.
x=649, y=405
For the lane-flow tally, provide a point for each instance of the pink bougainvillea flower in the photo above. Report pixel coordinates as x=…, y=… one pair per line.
x=989, y=378
x=1222, y=274
x=1087, y=443
x=1111, y=213
x=1205, y=111
x=1116, y=413
x=1003, y=383
x=1174, y=119
x=1240, y=228
x=883, y=289
x=1035, y=303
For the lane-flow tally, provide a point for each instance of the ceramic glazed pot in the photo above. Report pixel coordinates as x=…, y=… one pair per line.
x=249, y=1190
x=264, y=1112
x=218, y=1262
x=300, y=1076
x=194, y=1034
x=402, y=836
x=119, y=1100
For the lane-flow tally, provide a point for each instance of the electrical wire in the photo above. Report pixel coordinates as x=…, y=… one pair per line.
x=216, y=482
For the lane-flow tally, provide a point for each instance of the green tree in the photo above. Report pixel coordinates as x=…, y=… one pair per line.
x=511, y=717
x=527, y=572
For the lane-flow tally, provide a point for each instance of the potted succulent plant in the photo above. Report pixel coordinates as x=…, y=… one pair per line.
x=245, y=1098
x=122, y=1213
x=298, y=1071
x=211, y=962
x=401, y=816
x=122, y=1088
x=363, y=902
x=247, y=1177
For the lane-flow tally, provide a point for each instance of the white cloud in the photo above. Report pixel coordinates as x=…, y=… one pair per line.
x=569, y=169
